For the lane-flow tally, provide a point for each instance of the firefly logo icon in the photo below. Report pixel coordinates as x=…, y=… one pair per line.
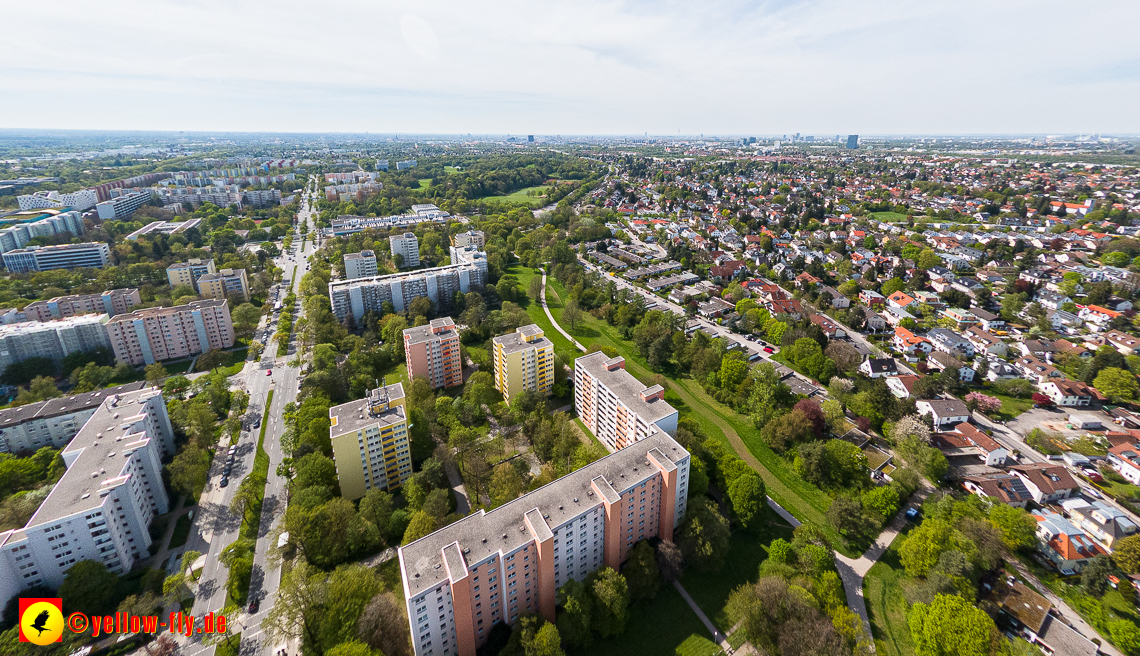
x=41, y=620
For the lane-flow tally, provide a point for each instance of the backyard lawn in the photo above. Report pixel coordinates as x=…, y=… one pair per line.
x=1011, y=407
x=661, y=626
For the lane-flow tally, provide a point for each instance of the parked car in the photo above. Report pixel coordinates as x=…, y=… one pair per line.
x=225, y=482
x=254, y=605
x=769, y=349
x=911, y=513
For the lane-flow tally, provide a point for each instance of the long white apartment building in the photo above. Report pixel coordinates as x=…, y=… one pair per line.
x=112, y=302
x=352, y=298
x=81, y=200
x=102, y=508
x=360, y=265
x=347, y=224
x=407, y=246
x=17, y=236
x=617, y=407
x=52, y=339
x=52, y=422
x=94, y=255
x=123, y=206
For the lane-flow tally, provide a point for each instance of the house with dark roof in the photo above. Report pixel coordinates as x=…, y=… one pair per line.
x=945, y=412
x=943, y=361
x=1068, y=393
x=1001, y=488
x=838, y=301
x=879, y=367
x=1048, y=481
x=829, y=326
x=1031, y=615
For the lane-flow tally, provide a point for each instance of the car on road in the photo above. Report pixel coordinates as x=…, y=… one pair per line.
x=269, y=372
x=254, y=605
x=911, y=513
x=225, y=482
x=769, y=349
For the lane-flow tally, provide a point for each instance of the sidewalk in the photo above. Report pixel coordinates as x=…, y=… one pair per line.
x=551, y=317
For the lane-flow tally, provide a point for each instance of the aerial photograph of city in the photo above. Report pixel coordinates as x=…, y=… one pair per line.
x=595, y=328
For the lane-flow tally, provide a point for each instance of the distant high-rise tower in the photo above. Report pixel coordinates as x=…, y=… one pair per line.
x=852, y=141
x=530, y=138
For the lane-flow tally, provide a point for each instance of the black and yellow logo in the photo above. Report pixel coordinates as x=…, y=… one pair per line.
x=41, y=621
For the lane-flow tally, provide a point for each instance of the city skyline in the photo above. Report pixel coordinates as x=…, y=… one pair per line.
x=824, y=67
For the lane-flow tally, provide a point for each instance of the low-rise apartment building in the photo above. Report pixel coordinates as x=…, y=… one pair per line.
x=470, y=238
x=617, y=407
x=102, y=508
x=188, y=273
x=524, y=362
x=370, y=442
x=493, y=567
x=115, y=301
x=225, y=283
x=432, y=352
x=52, y=422
x=360, y=265
x=156, y=334
x=93, y=255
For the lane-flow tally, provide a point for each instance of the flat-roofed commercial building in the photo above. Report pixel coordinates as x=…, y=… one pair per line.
x=164, y=228
x=432, y=352
x=360, y=265
x=94, y=255
x=224, y=284
x=102, y=508
x=370, y=442
x=156, y=334
x=352, y=298
x=492, y=567
x=115, y=301
x=53, y=340
x=52, y=422
x=618, y=408
x=188, y=273
x=524, y=362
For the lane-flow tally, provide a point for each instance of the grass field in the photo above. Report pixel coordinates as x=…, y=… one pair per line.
x=520, y=196
x=425, y=183
x=890, y=217
x=1011, y=406
x=562, y=346
x=886, y=605
x=802, y=499
x=451, y=169
x=661, y=626
x=181, y=532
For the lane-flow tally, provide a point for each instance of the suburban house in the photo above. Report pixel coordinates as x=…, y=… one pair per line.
x=943, y=361
x=901, y=300
x=950, y=342
x=984, y=342
x=875, y=321
x=1126, y=344
x=945, y=412
x=1067, y=393
x=962, y=318
x=1065, y=545
x=1001, y=488
x=1048, y=481
x=1031, y=615
x=1000, y=370
x=985, y=447
x=830, y=327
x=989, y=320
x=1036, y=369
x=1125, y=458
x=1062, y=319
x=1103, y=522
x=902, y=386
x=1098, y=315
x=1041, y=348
x=871, y=298
x=838, y=301
x=879, y=367
x=909, y=344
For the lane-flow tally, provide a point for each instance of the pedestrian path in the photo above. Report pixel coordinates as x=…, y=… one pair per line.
x=555, y=323
x=718, y=637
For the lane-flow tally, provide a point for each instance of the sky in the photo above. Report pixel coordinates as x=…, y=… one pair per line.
x=575, y=67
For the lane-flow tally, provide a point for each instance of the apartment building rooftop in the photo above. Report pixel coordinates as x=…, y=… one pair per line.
x=373, y=409
x=522, y=338
x=159, y=311
x=504, y=529
x=16, y=329
x=630, y=390
x=96, y=455
x=444, y=327
x=62, y=406
x=192, y=262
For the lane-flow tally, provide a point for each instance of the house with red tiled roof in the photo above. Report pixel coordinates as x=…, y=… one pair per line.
x=1065, y=545
x=999, y=487
x=830, y=327
x=1124, y=455
x=910, y=344
x=902, y=386
x=900, y=300
x=1098, y=315
x=1068, y=393
x=790, y=308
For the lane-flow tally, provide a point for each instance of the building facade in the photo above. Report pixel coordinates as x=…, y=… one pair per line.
x=615, y=406
x=164, y=228
x=370, y=442
x=407, y=246
x=524, y=362
x=224, y=284
x=470, y=238
x=352, y=298
x=81, y=200
x=156, y=334
x=432, y=352
x=53, y=422
x=360, y=265
x=123, y=206
x=53, y=340
x=188, y=273
x=94, y=255
x=115, y=301
x=102, y=508
x=492, y=567
x=470, y=256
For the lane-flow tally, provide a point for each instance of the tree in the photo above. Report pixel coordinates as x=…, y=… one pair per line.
x=315, y=469
x=976, y=401
x=422, y=524
x=1127, y=554
x=927, y=387
x=299, y=611
x=353, y=648
x=176, y=386
x=534, y=288
x=611, y=602
x=922, y=548
x=1094, y=577
x=376, y=507
x=883, y=500
x=845, y=356
x=847, y=516
x=89, y=587
x=641, y=572
x=574, y=621
x=506, y=484
x=245, y=318
x=669, y=560
x=952, y=626
x=1125, y=635
x=1117, y=384
x=383, y=627
x=189, y=471
x=1018, y=528
x=704, y=536
x=749, y=498
x=928, y=259
x=155, y=373
x=572, y=314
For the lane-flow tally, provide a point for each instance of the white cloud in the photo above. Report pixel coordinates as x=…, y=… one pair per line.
x=575, y=66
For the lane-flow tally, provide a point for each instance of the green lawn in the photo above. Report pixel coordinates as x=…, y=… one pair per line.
x=748, y=549
x=522, y=198
x=890, y=217
x=181, y=532
x=660, y=626
x=425, y=183
x=886, y=605
x=802, y=499
x=562, y=346
x=451, y=169
x=1011, y=407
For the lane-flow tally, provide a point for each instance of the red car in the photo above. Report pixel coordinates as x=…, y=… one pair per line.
x=769, y=349
x=269, y=373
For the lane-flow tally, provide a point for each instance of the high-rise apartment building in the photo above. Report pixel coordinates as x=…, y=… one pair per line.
x=432, y=351
x=617, y=407
x=53, y=340
x=492, y=567
x=188, y=273
x=115, y=301
x=52, y=422
x=123, y=206
x=155, y=334
x=102, y=508
x=469, y=238
x=224, y=284
x=93, y=255
x=360, y=265
x=852, y=141
x=352, y=298
x=370, y=442
x=407, y=246
x=17, y=236
x=470, y=256
x=524, y=362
